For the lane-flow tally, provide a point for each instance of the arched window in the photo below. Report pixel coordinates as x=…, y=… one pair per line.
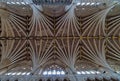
x=54, y=70
x=88, y=72
x=19, y=71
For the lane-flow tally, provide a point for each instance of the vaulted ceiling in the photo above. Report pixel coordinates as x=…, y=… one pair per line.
x=38, y=36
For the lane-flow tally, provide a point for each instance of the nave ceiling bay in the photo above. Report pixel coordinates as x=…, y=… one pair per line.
x=39, y=36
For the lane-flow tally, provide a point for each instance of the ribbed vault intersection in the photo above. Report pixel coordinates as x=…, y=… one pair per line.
x=67, y=37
